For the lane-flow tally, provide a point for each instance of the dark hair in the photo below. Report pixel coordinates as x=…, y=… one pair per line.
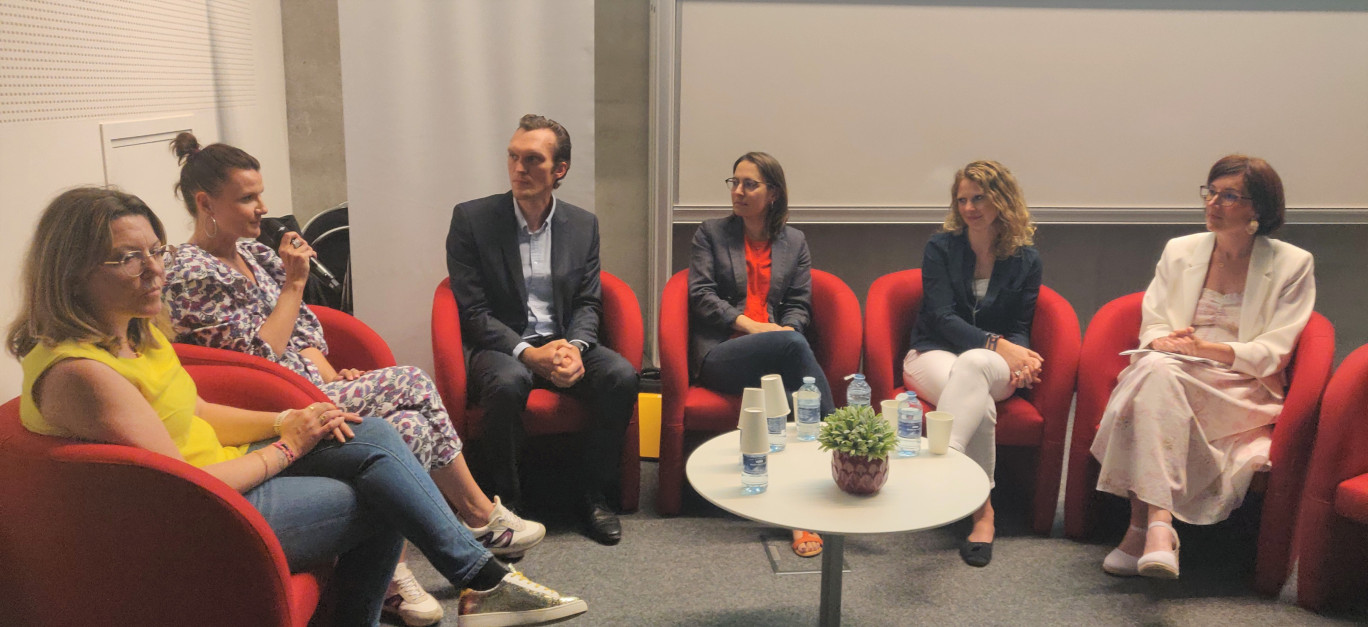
x=73, y=237
x=776, y=215
x=1263, y=185
x=561, y=154
x=205, y=169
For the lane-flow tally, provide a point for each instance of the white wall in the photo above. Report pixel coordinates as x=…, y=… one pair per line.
x=1099, y=107
x=52, y=108
x=432, y=92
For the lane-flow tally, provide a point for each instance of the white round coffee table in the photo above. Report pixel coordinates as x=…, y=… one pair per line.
x=922, y=492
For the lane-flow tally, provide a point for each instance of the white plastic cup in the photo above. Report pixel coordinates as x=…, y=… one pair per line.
x=890, y=413
x=938, y=431
x=754, y=432
x=751, y=398
x=776, y=401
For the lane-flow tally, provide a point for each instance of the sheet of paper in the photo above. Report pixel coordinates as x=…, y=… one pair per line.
x=1191, y=358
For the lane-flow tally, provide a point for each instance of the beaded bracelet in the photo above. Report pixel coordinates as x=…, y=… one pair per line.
x=279, y=420
x=286, y=451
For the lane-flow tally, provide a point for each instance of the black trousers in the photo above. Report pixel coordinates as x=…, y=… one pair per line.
x=501, y=385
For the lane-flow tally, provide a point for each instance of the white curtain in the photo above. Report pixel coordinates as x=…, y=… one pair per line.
x=432, y=92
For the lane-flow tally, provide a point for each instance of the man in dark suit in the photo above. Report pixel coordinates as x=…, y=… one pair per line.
x=524, y=268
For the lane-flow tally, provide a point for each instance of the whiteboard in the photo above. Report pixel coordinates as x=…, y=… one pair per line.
x=1105, y=114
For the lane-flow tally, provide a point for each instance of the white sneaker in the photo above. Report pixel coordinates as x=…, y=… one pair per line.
x=516, y=601
x=506, y=535
x=407, y=599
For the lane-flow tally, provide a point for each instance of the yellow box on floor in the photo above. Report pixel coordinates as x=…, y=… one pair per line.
x=648, y=416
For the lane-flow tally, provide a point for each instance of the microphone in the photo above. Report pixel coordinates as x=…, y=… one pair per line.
x=272, y=230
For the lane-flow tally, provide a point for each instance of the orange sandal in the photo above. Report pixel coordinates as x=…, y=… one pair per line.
x=805, y=537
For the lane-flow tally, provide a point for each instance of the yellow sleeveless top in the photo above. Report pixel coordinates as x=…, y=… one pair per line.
x=159, y=377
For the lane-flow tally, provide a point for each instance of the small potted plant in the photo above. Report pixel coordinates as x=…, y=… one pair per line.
x=859, y=441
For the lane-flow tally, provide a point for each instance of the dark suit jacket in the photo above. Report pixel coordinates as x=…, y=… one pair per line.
x=947, y=306
x=486, y=273
x=717, y=283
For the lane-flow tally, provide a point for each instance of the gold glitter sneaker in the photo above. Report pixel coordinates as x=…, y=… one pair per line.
x=516, y=601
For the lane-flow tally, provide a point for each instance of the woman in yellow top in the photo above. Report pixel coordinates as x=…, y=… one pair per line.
x=95, y=368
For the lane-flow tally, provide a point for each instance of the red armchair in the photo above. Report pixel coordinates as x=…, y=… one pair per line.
x=1332, y=527
x=1037, y=418
x=835, y=339
x=547, y=412
x=103, y=534
x=1114, y=328
x=352, y=343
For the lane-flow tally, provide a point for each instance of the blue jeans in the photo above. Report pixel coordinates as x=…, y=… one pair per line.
x=357, y=501
x=738, y=363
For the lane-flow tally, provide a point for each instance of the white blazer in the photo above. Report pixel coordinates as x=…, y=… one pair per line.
x=1279, y=294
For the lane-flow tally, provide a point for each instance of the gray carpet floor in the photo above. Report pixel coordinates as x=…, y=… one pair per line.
x=708, y=567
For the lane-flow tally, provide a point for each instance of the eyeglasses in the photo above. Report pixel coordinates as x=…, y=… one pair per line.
x=1224, y=199
x=749, y=185
x=134, y=262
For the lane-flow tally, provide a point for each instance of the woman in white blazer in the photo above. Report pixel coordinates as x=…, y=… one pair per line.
x=1190, y=423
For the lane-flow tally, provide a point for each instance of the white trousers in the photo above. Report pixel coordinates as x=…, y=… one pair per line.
x=967, y=385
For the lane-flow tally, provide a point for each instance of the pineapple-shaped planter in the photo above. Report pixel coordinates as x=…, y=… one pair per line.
x=858, y=475
x=859, y=441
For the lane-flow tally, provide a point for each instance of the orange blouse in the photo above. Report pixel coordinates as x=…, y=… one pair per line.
x=757, y=280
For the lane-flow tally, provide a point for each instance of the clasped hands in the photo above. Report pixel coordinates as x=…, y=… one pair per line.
x=1181, y=341
x=748, y=326
x=303, y=428
x=1023, y=363
x=557, y=361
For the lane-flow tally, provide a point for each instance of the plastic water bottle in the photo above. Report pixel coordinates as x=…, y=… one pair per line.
x=778, y=437
x=858, y=392
x=754, y=473
x=809, y=402
x=909, y=425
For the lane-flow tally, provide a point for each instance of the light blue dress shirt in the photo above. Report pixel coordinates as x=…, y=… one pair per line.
x=534, y=248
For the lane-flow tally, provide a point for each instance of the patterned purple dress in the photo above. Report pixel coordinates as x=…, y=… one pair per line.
x=214, y=305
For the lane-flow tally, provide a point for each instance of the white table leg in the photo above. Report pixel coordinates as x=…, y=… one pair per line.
x=833, y=559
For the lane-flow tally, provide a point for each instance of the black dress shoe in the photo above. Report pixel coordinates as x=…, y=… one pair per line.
x=602, y=524
x=976, y=553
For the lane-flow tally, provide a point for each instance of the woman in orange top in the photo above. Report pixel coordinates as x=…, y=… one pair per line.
x=750, y=295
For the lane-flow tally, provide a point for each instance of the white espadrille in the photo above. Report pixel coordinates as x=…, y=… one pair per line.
x=1121, y=563
x=1160, y=564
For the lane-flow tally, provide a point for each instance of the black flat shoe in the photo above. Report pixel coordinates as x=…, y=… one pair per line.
x=976, y=554
x=602, y=524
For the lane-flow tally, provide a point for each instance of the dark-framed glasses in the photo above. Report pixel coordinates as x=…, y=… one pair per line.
x=134, y=262
x=749, y=185
x=1223, y=198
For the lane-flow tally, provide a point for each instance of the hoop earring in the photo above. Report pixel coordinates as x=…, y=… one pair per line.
x=214, y=233
x=1252, y=227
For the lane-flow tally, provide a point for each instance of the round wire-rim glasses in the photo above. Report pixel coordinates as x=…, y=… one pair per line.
x=134, y=262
